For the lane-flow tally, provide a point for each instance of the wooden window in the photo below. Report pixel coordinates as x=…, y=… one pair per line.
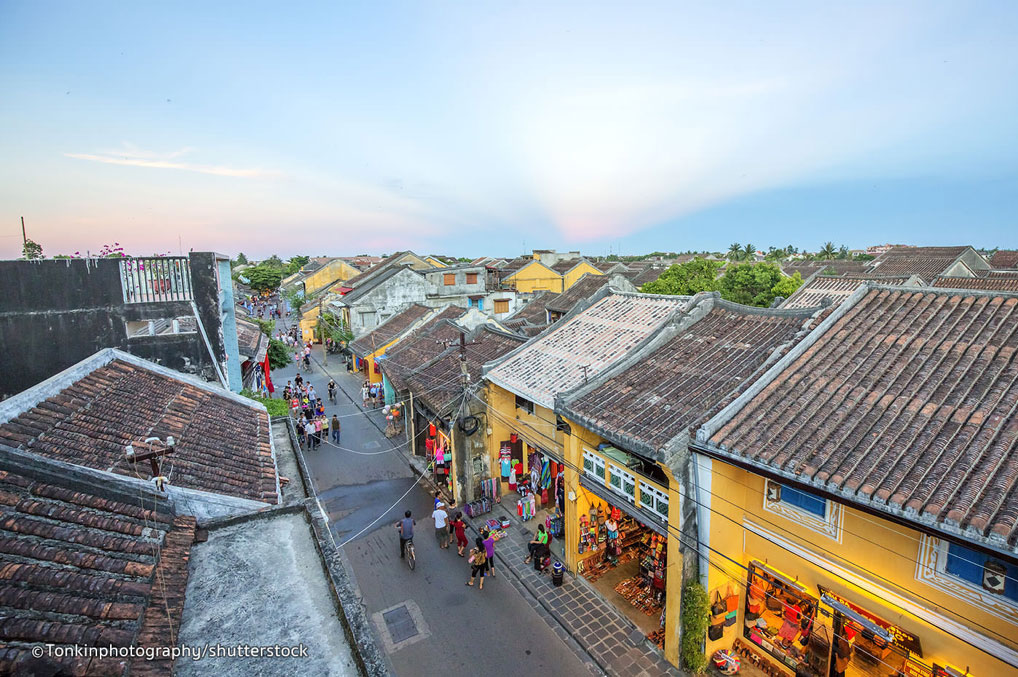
x=471, y=278
x=524, y=404
x=450, y=279
x=501, y=306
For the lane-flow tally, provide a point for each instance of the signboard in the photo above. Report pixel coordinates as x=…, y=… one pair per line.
x=905, y=640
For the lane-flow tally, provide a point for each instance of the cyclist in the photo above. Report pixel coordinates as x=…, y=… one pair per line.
x=332, y=391
x=406, y=532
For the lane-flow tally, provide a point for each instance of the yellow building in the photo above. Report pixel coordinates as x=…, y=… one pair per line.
x=336, y=270
x=437, y=263
x=573, y=270
x=535, y=275
x=867, y=483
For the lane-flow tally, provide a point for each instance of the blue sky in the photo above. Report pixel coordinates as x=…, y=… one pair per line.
x=484, y=128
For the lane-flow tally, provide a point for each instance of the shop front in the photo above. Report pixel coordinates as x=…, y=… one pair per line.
x=532, y=481
x=622, y=537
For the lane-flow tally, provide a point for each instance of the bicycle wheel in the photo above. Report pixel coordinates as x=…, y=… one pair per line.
x=411, y=558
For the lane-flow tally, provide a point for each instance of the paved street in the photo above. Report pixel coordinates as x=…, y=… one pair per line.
x=436, y=625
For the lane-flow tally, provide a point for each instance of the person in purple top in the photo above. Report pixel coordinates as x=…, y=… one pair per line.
x=489, y=550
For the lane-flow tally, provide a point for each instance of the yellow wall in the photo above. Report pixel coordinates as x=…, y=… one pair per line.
x=865, y=542
x=436, y=263
x=332, y=272
x=535, y=277
x=578, y=271
x=308, y=321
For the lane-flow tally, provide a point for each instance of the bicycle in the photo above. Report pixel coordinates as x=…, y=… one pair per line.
x=411, y=556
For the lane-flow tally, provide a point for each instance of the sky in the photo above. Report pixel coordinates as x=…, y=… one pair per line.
x=484, y=128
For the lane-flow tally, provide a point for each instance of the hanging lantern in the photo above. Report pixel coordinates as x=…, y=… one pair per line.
x=514, y=438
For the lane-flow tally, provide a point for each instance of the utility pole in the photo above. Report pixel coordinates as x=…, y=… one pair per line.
x=151, y=449
x=24, y=238
x=325, y=349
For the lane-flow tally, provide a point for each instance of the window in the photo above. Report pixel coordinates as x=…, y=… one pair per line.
x=593, y=466
x=449, y=279
x=797, y=499
x=475, y=303
x=471, y=278
x=982, y=571
x=161, y=327
x=654, y=500
x=501, y=306
x=524, y=404
x=623, y=483
x=367, y=319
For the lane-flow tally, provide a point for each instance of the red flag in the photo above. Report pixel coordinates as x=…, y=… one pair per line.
x=268, y=379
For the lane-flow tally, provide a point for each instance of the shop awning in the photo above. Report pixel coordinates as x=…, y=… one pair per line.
x=858, y=618
x=344, y=290
x=634, y=511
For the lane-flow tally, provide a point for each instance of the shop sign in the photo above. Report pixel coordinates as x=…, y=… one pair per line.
x=905, y=640
x=946, y=671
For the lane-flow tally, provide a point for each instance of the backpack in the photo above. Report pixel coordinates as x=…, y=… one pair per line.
x=480, y=558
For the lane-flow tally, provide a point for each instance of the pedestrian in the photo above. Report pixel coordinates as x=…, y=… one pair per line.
x=459, y=528
x=478, y=563
x=441, y=518
x=318, y=431
x=298, y=380
x=335, y=428
x=374, y=396
x=406, y=532
x=364, y=394
x=325, y=428
x=309, y=433
x=489, y=549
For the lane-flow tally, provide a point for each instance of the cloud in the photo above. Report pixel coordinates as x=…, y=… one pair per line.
x=132, y=156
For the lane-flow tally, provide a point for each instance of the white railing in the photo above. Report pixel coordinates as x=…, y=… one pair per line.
x=156, y=279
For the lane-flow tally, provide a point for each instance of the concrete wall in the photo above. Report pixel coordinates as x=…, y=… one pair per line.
x=389, y=298
x=55, y=313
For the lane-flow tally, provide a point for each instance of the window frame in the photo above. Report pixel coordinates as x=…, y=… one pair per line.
x=525, y=404
x=471, y=278
x=501, y=303
x=448, y=279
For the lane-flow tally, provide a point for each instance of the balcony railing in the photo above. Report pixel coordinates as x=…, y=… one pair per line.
x=156, y=279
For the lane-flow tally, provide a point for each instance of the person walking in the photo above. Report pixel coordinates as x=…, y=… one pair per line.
x=309, y=433
x=478, y=563
x=489, y=549
x=325, y=428
x=364, y=394
x=459, y=528
x=441, y=518
x=318, y=431
x=335, y=429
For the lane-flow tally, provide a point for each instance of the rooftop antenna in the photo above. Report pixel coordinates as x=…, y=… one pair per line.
x=151, y=449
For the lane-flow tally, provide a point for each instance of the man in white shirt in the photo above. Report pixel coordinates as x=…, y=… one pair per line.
x=441, y=518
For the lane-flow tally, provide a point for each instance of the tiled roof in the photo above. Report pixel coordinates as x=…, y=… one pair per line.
x=839, y=266
x=437, y=384
x=367, y=286
x=583, y=289
x=926, y=262
x=905, y=401
x=643, y=275
x=564, y=266
x=387, y=261
x=82, y=566
x=581, y=346
x=249, y=337
x=222, y=446
x=421, y=345
x=515, y=264
x=820, y=288
x=990, y=283
x=1005, y=259
x=389, y=330
x=535, y=313
x=695, y=365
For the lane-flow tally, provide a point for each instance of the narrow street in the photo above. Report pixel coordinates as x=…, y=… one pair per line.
x=432, y=624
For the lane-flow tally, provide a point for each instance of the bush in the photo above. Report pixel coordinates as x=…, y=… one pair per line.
x=279, y=354
x=275, y=407
x=695, y=619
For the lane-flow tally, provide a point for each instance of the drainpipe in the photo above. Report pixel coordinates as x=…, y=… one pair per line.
x=208, y=345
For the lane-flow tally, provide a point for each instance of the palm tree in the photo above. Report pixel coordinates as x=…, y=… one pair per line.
x=748, y=252
x=843, y=252
x=827, y=252
x=734, y=251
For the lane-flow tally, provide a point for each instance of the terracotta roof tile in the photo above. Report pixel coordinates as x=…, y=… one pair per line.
x=926, y=262
x=993, y=282
x=1005, y=259
x=582, y=289
x=79, y=568
x=391, y=329
x=907, y=402
x=421, y=345
x=820, y=288
x=222, y=446
x=583, y=345
x=697, y=364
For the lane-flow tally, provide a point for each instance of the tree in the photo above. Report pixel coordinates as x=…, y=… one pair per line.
x=843, y=253
x=864, y=257
x=264, y=277
x=735, y=252
x=827, y=252
x=331, y=326
x=751, y=284
x=295, y=264
x=241, y=260
x=273, y=261
x=31, y=250
x=748, y=252
x=279, y=354
x=686, y=278
x=786, y=286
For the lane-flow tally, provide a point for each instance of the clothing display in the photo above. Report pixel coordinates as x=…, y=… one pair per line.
x=491, y=489
x=526, y=507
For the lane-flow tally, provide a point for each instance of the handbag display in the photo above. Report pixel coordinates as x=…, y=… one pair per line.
x=715, y=632
x=731, y=617
x=718, y=607
x=818, y=650
x=732, y=600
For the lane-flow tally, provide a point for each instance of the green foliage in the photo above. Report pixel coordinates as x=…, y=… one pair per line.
x=686, y=278
x=31, y=250
x=265, y=325
x=273, y=261
x=864, y=257
x=264, y=277
x=279, y=354
x=751, y=284
x=695, y=619
x=331, y=326
x=734, y=252
x=295, y=298
x=275, y=407
x=827, y=252
x=464, y=259
x=295, y=264
x=241, y=260
x=786, y=286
